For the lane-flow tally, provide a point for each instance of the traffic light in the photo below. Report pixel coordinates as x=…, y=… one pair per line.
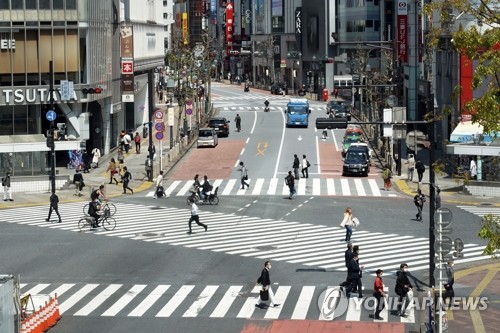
x=329, y=61
x=95, y=90
x=50, y=139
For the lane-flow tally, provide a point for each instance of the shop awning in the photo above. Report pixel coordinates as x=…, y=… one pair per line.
x=33, y=142
x=467, y=132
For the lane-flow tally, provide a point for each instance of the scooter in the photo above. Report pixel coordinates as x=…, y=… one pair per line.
x=210, y=199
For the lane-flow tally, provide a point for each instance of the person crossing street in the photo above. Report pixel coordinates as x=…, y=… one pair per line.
x=195, y=217
x=54, y=206
x=237, y=120
x=419, y=200
x=265, y=281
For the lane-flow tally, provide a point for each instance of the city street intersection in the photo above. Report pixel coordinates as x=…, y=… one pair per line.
x=148, y=275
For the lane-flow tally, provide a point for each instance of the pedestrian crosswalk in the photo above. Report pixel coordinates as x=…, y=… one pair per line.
x=261, y=108
x=251, y=97
x=481, y=210
x=207, y=301
x=358, y=187
x=307, y=244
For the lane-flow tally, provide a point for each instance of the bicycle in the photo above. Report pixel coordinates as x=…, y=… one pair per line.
x=104, y=207
x=105, y=220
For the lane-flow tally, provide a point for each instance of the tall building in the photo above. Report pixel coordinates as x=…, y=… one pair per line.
x=82, y=40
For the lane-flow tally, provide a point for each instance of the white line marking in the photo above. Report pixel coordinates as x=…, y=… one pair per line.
x=175, y=301
x=254, y=123
x=84, y=291
x=124, y=300
x=98, y=300
x=318, y=162
x=149, y=301
x=201, y=301
x=330, y=185
x=242, y=151
x=303, y=303
x=226, y=302
x=281, y=145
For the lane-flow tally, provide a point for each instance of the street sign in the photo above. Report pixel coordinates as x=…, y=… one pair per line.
x=158, y=114
x=160, y=127
x=458, y=254
x=171, y=119
x=65, y=96
x=189, y=112
x=159, y=135
x=51, y=115
x=447, y=231
x=446, y=245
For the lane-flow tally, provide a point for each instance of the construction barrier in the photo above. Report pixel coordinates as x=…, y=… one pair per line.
x=43, y=319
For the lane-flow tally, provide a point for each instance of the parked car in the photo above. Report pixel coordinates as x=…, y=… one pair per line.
x=220, y=125
x=279, y=89
x=356, y=162
x=207, y=137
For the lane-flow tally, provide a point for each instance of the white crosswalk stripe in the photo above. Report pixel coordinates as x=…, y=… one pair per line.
x=308, y=244
x=276, y=186
x=481, y=210
x=258, y=108
x=211, y=301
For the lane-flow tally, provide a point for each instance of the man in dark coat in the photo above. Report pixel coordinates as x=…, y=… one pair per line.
x=54, y=206
x=420, y=170
x=265, y=281
x=348, y=256
x=403, y=286
x=355, y=275
x=86, y=161
x=296, y=166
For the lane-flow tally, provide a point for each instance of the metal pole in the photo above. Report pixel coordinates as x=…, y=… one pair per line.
x=151, y=102
x=432, y=193
x=440, y=298
x=51, y=131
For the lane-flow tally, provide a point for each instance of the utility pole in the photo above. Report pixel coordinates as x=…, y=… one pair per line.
x=51, y=141
x=151, y=102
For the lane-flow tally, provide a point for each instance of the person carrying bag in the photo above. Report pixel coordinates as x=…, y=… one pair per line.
x=265, y=294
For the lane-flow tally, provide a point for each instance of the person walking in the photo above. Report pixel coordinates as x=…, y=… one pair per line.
x=265, y=281
x=126, y=178
x=79, y=183
x=448, y=286
x=355, y=276
x=296, y=165
x=148, y=166
x=195, y=217
x=112, y=169
x=137, y=140
x=473, y=169
x=305, y=167
x=159, y=186
x=386, y=175
x=420, y=170
x=411, y=167
x=128, y=141
x=54, y=206
x=237, y=120
x=7, y=192
x=403, y=286
x=86, y=161
x=347, y=223
x=244, y=175
x=290, y=182
x=378, y=293
x=96, y=154
x=419, y=200
x=347, y=257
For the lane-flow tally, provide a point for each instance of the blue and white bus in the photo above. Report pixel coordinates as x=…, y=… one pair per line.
x=297, y=112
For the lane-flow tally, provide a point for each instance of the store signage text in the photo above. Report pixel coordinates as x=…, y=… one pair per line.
x=7, y=44
x=29, y=95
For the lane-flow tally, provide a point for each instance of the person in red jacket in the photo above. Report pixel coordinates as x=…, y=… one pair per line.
x=378, y=293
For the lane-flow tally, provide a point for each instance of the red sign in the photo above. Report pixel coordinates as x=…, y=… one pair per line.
x=403, y=31
x=229, y=25
x=127, y=67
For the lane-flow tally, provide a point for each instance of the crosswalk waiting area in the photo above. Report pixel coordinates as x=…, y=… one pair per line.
x=209, y=301
x=360, y=187
x=307, y=244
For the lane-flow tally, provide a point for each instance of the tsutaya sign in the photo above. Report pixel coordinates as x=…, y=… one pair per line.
x=22, y=96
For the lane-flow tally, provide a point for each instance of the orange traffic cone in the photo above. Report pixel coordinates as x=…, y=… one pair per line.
x=57, y=315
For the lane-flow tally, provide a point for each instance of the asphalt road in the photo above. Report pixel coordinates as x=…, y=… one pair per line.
x=58, y=257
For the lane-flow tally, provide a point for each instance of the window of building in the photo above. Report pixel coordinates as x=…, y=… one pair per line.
x=58, y=4
x=369, y=23
x=4, y=5
x=165, y=3
x=70, y=4
x=30, y=4
x=165, y=28
x=44, y=4
x=377, y=25
x=16, y=4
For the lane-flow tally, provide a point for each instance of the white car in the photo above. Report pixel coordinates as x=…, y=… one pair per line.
x=362, y=144
x=207, y=137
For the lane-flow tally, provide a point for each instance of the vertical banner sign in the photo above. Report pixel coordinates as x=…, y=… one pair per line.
x=229, y=26
x=213, y=11
x=298, y=28
x=185, y=28
x=419, y=37
x=403, y=31
x=127, y=63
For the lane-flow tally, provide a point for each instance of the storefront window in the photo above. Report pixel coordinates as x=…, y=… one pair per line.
x=70, y=4
x=4, y=5
x=20, y=120
x=44, y=4
x=17, y=4
x=57, y=4
x=6, y=120
x=33, y=116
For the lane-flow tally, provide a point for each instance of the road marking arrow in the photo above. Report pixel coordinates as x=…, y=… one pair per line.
x=300, y=138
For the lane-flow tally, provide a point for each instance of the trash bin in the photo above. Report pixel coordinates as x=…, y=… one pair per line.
x=145, y=132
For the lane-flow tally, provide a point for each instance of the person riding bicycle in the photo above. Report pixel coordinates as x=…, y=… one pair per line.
x=93, y=211
x=266, y=103
x=195, y=188
x=99, y=194
x=237, y=120
x=205, y=188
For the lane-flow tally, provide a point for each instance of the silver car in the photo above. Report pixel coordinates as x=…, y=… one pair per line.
x=207, y=137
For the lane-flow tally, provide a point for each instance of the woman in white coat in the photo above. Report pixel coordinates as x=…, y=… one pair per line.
x=96, y=154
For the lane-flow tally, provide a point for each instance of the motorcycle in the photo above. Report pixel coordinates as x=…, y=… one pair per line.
x=266, y=106
x=210, y=199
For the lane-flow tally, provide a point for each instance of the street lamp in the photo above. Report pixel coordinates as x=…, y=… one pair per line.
x=295, y=56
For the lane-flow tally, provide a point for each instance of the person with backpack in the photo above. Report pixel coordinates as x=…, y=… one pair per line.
x=386, y=175
x=403, y=287
x=290, y=182
x=419, y=200
x=93, y=211
x=148, y=165
x=126, y=178
x=137, y=140
x=305, y=167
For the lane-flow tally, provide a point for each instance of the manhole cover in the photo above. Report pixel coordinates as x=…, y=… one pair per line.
x=485, y=204
x=265, y=248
